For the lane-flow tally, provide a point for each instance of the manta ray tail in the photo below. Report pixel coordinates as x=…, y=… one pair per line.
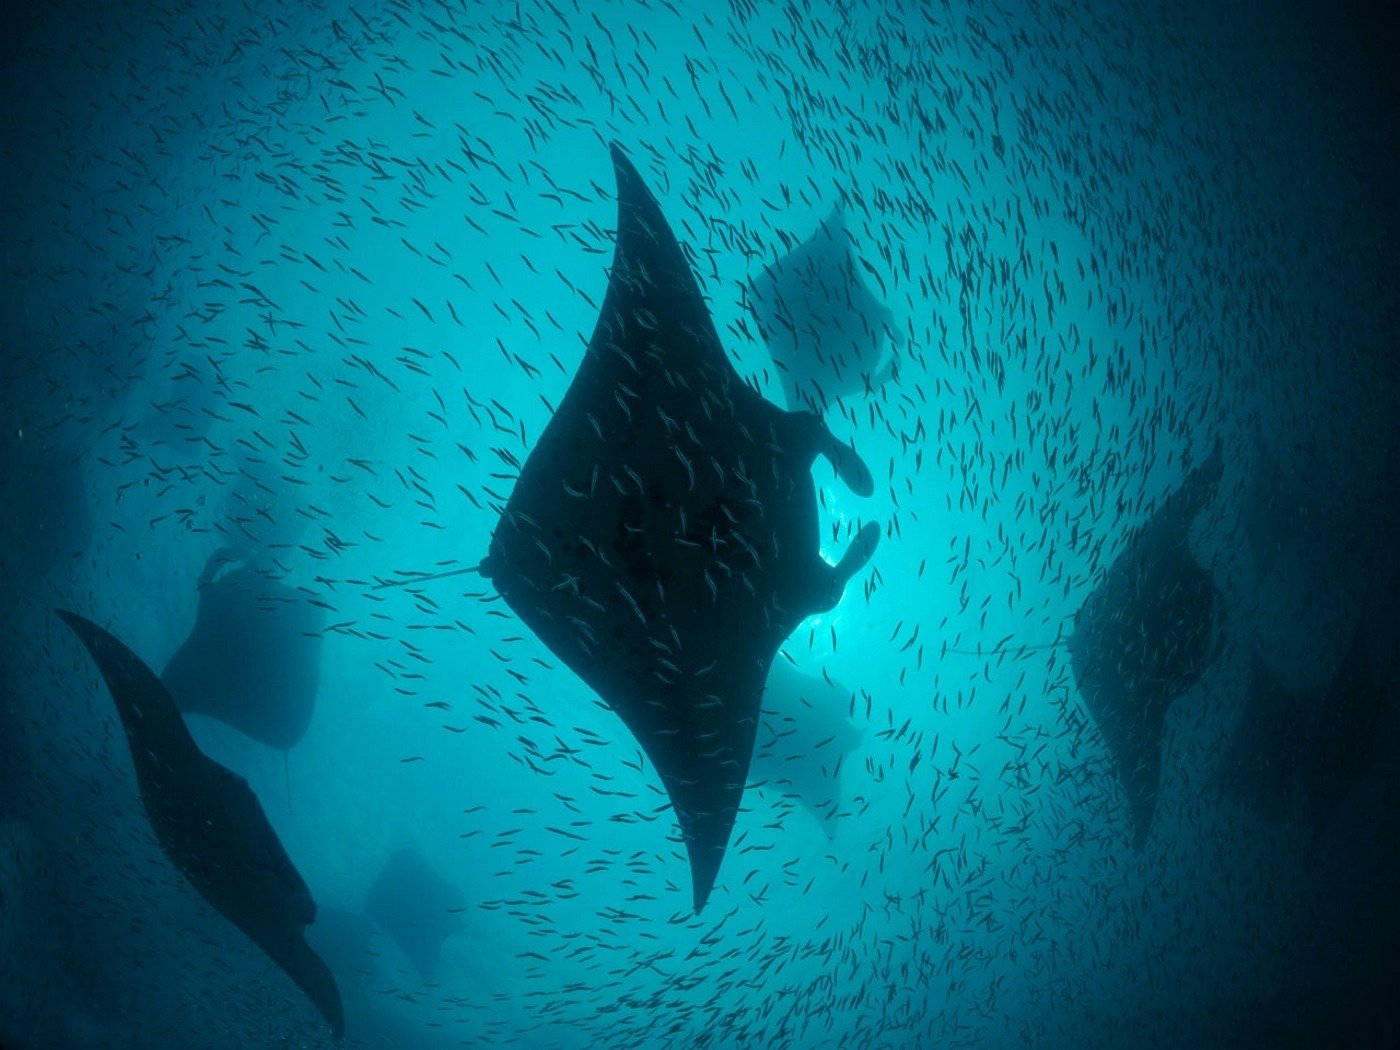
x=1001, y=650
x=421, y=577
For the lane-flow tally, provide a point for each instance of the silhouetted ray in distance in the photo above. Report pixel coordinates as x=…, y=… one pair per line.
x=1144, y=636
x=826, y=331
x=804, y=739
x=417, y=908
x=253, y=658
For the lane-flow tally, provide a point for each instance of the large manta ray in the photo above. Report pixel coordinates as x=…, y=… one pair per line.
x=209, y=823
x=825, y=330
x=804, y=738
x=416, y=907
x=1144, y=636
x=253, y=659
x=662, y=539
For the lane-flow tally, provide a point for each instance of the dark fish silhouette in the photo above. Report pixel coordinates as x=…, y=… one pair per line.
x=803, y=740
x=1260, y=766
x=1144, y=636
x=253, y=659
x=826, y=331
x=662, y=539
x=416, y=907
x=209, y=823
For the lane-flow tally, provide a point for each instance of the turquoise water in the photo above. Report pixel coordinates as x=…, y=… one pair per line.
x=310, y=279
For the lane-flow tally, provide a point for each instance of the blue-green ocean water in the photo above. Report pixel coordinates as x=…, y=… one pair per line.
x=309, y=277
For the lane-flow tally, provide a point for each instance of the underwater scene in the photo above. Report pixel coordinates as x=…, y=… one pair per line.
x=699, y=523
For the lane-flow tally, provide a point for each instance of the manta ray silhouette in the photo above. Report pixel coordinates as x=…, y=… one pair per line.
x=253, y=659
x=804, y=739
x=826, y=331
x=1145, y=635
x=416, y=907
x=209, y=823
x=662, y=538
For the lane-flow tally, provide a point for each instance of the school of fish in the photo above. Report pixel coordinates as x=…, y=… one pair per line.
x=1082, y=317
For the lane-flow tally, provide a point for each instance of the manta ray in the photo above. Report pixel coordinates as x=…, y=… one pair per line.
x=416, y=907
x=209, y=823
x=804, y=739
x=1144, y=636
x=826, y=331
x=253, y=658
x=662, y=537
